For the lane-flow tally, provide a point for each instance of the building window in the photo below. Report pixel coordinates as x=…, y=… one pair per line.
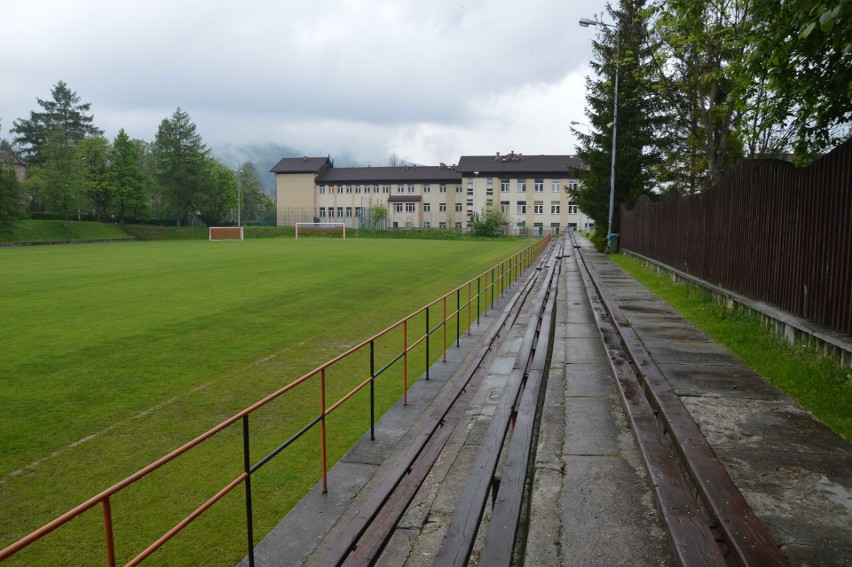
x=397, y=207
x=411, y=188
x=458, y=207
x=427, y=207
x=539, y=185
x=458, y=189
x=538, y=207
x=572, y=208
x=470, y=181
x=504, y=185
x=349, y=189
x=427, y=224
x=358, y=188
x=322, y=190
x=410, y=208
x=442, y=225
x=385, y=188
x=504, y=207
x=554, y=207
x=340, y=212
x=489, y=190
x=522, y=185
x=322, y=212
x=458, y=226
x=572, y=185
x=442, y=188
x=357, y=212
x=489, y=181
x=427, y=189
x=400, y=188
x=522, y=207
x=555, y=186
x=349, y=212
x=442, y=207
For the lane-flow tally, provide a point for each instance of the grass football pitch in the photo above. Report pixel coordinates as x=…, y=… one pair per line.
x=114, y=354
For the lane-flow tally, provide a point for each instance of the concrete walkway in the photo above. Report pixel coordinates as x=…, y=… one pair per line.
x=794, y=472
x=590, y=501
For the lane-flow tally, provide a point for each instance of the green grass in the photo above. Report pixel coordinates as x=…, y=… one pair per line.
x=817, y=382
x=114, y=354
x=55, y=230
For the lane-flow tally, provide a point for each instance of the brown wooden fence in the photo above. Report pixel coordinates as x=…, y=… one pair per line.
x=768, y=230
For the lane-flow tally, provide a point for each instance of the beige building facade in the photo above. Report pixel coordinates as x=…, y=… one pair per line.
x=530, y=190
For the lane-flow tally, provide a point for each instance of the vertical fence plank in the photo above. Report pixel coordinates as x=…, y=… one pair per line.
x=768, y=230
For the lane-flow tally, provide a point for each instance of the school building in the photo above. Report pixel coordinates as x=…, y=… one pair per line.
x=531, y=190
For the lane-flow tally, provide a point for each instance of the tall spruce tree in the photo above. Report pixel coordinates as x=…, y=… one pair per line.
x=623, y=48
x=181, y=160
x=64, y=112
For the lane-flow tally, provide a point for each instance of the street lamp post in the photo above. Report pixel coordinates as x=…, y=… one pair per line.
x=585, y=22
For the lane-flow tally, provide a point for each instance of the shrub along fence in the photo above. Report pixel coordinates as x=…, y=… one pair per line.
x=769, y=230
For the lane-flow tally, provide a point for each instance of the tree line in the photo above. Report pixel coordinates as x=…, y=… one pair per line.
x=706, y=84
x=74, y=172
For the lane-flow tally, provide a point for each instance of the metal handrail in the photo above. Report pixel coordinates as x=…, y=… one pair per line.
x=518, y=263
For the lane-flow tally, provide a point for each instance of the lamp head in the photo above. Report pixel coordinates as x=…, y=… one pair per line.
x=586, y=22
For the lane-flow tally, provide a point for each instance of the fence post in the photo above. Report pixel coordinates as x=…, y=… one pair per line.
x=427, y=342
x=492, y=288
x=247, y=468
x=372, y=392
x=323, y=434
x=458, y=317
x=478, y=293
x=444, y=325
x=108, y=536
x=404, y=362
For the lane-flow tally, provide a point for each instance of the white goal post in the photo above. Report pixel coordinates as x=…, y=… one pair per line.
x=320, y=228
x=225, y=233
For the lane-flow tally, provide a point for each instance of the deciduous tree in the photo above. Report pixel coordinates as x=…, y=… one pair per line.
x=219, y=195
x=93, y=158
x=11, y=209
x=127, y=178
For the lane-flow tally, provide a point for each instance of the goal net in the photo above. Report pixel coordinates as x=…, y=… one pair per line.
x=334, y=229
x=226, y=233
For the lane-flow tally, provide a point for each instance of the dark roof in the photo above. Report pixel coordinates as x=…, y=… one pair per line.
x=409, y=173
x=7, y=156
x=405, y=199
x=301, y=165
x=510, y=165
x=517, y=164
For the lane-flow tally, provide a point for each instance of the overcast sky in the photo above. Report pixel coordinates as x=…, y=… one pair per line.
x=429, y=80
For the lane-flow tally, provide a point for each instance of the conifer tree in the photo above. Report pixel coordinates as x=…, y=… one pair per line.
x=623, y=46
x=64, y=112
x=181, y=159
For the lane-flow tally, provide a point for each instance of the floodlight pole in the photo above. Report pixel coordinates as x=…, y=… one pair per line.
x=585, y=22
x=239, y=182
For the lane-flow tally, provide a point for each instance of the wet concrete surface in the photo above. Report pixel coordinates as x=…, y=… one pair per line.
x=590, y=503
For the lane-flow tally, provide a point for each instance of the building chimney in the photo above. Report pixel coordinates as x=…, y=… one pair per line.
x=498, y=157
